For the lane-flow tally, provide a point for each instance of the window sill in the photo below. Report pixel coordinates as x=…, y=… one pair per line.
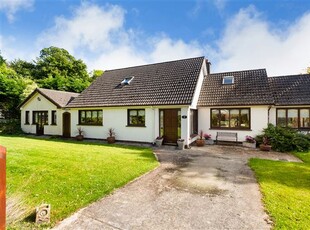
x=53, y=124
x=235, y=129
x=27, y=124
x=90, y=124
x=136, y=126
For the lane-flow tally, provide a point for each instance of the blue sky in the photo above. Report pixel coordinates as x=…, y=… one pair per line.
x=233, y=35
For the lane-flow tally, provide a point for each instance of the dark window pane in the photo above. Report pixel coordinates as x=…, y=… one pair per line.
x=161, y=123
x=304, y=118
x=215, y=118
x=100, y=117
x=234, y=118
x=292, y=118
x=245, y=118
x=281, y=117
x=194, y=121
x=27, y=117
x=224, y=118
x=54, y=117
x=179, y=123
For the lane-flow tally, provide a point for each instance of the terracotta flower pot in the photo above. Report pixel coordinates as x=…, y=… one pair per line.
x=263, y=147
x=200, y=142
x=79, y=137
x=111, y=140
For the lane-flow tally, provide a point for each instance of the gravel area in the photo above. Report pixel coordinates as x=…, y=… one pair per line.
x=199, y=188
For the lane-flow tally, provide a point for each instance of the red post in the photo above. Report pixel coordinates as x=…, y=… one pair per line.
x=2, y=186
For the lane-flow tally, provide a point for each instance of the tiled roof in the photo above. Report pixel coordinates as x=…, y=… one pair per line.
x=167, y=83
x=291, y=90
x=59, y=98
x=250, y=88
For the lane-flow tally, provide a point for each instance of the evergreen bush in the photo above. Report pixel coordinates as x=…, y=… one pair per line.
x=10, y=126
x=285, y=139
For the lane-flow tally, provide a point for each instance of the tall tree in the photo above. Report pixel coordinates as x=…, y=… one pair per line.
x=96, y=73
x=56, y=69
x=23, y=68
x=2, y=60
x=14, y=88
x=11, y=89
x=308, y=70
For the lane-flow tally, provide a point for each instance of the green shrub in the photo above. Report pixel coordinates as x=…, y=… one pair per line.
x=11, y=126
x=302, y=142
x=285, y=139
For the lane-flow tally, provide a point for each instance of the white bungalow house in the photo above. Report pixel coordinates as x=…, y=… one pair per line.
x=43, y=112
x=173, y=99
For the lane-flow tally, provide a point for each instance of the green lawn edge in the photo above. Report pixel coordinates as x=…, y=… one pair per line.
x=285, y=187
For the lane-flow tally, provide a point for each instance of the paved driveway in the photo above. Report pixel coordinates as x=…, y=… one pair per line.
x=201, y=188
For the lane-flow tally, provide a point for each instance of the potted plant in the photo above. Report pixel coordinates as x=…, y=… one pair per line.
x=180, y=144
x=159, y=141
x=208, y=140
x=200, y=141
x=111, y=137
x=249, y=142
x=265, y=146
x=80, y=135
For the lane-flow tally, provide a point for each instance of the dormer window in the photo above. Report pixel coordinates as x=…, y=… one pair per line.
x=228, y=80
x=127, y=80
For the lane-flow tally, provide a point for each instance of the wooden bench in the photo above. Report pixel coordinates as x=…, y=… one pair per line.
x=226, y=136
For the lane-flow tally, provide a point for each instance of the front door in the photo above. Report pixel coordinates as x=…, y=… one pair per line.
x=40, y=119
x=66, y=124
x=171, y=125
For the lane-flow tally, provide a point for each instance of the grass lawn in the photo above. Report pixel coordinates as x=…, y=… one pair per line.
x=67, y=174
x=286, y=191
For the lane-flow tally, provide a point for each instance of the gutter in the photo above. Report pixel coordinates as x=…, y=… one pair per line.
x=269, y=107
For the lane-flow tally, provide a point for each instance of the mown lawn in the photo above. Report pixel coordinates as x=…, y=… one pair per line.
x=286, y=191
x=67, y=174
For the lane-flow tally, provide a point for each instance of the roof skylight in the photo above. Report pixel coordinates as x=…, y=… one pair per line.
x=228, y=80
x=127, y=80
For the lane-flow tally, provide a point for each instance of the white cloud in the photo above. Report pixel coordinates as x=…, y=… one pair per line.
x=249, y=41
x=121, y=57
x=92, y=27
x=196, y=9
x=11, y=49
x=165, y=49
x=10, y=7
x=220, y=4
x=98, y=36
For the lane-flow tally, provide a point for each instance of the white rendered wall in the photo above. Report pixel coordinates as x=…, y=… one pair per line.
x=272, y=116
x=41, y=105
x=259, y=121
x=202, y=74
x=185, y=125
x=112, y=118
x=116, y=118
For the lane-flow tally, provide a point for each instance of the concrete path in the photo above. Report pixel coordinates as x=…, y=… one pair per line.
x=201, y=188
